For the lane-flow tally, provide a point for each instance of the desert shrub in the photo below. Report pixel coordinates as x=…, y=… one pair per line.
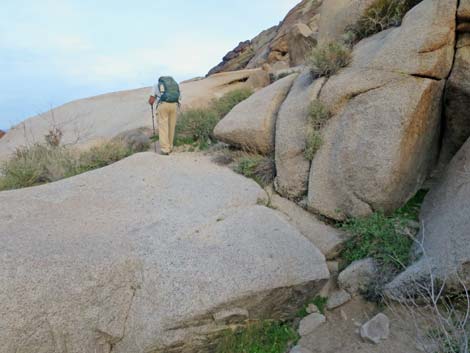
x=380, y=16
x=222, y=106
x=259, y=168
x=386, y=238
x=313, y=143
x=318, y=116
x=102, y=155
x=44, y=163
x=258, y=337
x=327, y=59
x=197, y=125
x=34, y=165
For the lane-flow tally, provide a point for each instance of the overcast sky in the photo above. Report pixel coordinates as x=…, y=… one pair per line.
x=54, y=51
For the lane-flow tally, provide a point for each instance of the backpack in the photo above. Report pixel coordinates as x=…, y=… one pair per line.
x=171, y=90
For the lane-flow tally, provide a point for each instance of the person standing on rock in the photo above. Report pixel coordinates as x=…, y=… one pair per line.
x=167, y=95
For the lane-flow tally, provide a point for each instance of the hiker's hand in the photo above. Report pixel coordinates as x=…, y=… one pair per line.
x=151, y=100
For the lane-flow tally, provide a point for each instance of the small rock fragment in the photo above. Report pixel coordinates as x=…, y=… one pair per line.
x=312, y=308
x=357, y=276
x=311, y=323
x=376, y=329
x=299, y=349
x=338, y=298
x=333, y=267
x=229, y=316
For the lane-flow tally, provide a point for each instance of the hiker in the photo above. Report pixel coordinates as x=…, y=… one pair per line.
x=167, y=95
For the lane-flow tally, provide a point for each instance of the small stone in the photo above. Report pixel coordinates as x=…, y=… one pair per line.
x=312, y=308
x=337, y=299
x=299, y=349
x=311, y=323
x=333, y=267
x=376, y=329
x=357, y=276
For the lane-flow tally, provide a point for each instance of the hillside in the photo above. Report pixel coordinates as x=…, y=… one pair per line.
x=324, y=210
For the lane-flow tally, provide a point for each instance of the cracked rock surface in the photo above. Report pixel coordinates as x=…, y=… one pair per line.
x=151, y=254
x=383, y=139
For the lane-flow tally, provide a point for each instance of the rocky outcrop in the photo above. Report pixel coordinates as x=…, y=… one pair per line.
x=251, y=123
x=2, y=133
x=383, y=139
x=444, y=236
x=457, y=99
x=86, y=121
x=337, y=15
x=291, y=128
x=148, y=255
x=290, y=43
x=236, y=59
x=327, y=239
x=285, y=44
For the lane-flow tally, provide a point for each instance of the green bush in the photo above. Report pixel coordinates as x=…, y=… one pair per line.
x=228, y=101
x=259, y=168
x=313, y=143
x=328, y=59
x=380, y=16
x=319, y=115
x=197, y=125
x=44, y=163
x=258, y=337
x=385, y=238
x=35, y=165
x=102, y=155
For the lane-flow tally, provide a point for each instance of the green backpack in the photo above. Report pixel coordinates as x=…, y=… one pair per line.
x=171, y=90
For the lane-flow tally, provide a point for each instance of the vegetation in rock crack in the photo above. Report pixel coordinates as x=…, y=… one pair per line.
x=380, y=16
x=319, y=302
x=44, y=163
x=327, y=59
x=196, y=126
x=386, y=238
x=319, y=115
x=258, y=337
x=259, y=168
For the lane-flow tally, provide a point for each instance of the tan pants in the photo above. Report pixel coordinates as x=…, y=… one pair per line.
x=166, y=114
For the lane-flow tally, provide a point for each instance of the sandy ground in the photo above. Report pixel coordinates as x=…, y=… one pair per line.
x=341, y=332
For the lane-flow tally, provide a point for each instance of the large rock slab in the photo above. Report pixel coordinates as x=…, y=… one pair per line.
x=89, y=120
x=291, y=129
x=445, y=237
x=327, y=239
x=151, y=254
x=379, y=150
x=251, y=123
x=383, y=139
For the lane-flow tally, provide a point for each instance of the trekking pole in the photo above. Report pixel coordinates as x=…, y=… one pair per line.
x=154, y=132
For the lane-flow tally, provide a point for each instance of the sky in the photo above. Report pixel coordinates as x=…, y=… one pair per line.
x=55, y=51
